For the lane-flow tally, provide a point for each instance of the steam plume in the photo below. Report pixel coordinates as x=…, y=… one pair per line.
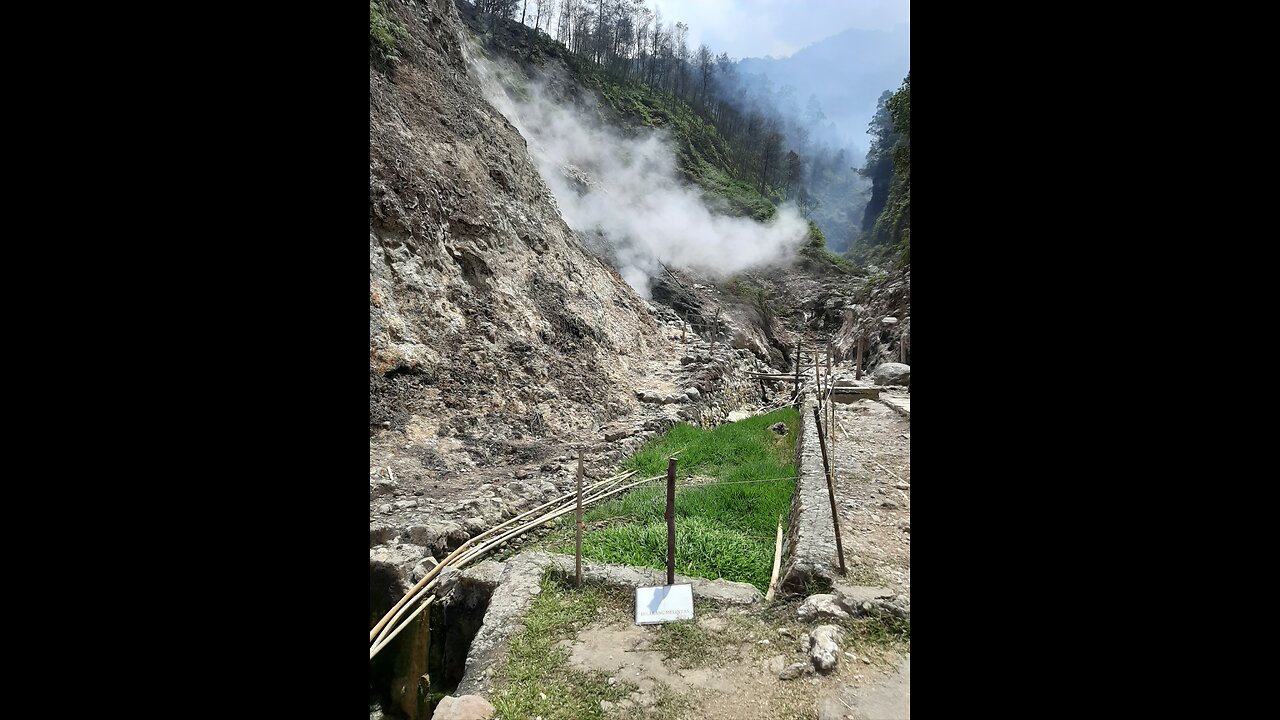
x=625, y=190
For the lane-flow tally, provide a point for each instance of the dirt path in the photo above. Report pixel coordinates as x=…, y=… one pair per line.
x=873, y=491
x=726, y=666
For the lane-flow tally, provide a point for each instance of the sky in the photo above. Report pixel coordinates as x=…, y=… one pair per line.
x=755, y=28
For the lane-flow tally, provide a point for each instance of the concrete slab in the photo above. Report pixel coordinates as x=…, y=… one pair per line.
x=900, y=405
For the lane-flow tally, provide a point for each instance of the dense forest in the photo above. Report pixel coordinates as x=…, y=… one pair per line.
x=887, y=220
x=734, y=140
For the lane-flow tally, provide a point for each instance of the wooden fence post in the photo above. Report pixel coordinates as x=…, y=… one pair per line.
x=577, y=550
x=797, y=383
x=671, y=521
x=859, y=371
x=831, y=490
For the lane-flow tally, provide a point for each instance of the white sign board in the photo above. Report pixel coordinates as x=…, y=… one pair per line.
x=664, y=604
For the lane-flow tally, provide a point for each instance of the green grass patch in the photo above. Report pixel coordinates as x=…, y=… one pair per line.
x=722, y=531
x=743, y=450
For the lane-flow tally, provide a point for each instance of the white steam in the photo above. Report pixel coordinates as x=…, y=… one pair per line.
x=626, y=189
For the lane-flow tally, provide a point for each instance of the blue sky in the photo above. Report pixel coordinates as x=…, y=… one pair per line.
x=755, y=28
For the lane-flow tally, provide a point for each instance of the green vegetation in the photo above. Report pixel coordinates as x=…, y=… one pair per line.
x=816, y=255
x=534, y=678
x=383, y=31
x=743, y=450
x=705, y=156
x=887, y=222
x=722, y=531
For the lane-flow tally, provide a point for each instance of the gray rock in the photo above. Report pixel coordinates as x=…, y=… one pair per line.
x=400, y=558
x=825, y=607
x=779, y=428
x=618, y=434
x=824, y=648
x=406, y=504
x=776, y=664
x=606, y=706
x=890, y=320
x=466, y=707
x=892, y=374
x=854, y=596
x=793, y=671
x=474, y=525
x=889, y=504
x=692, y=393
x=384, y=508
x=380, y=533
x=434, y=536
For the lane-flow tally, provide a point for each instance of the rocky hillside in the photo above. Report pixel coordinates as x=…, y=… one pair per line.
x=488, y=320
x=498, y=343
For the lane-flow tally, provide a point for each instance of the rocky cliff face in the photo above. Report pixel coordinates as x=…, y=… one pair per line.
x=489, y=323
x=883, y=317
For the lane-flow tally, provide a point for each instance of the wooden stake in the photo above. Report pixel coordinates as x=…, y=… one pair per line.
x=817, y=379
x=577, y=549
x=777, y=563
x=831, y=490
x=764, y=399
x=859, y=375
x=797, y=384
x=671, y=521
x=831, y=406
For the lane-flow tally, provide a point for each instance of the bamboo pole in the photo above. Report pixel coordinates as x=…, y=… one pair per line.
x=489, y=544
x=777, y=563
x=858, y=376
x=373, y=651
x=577, y=549
x=831, y=491
x=373, y=634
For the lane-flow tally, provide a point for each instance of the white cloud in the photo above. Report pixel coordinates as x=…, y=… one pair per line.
x=755, y=28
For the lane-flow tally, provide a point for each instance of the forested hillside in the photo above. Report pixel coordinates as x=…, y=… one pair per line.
x=887, y=223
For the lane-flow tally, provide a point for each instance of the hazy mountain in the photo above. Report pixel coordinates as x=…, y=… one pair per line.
x=846, y=73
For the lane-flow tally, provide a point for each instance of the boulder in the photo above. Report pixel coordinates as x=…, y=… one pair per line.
x=466, y=707
x=825, y=607
x=434, y=536
x=824, y=648
x=892, y=374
